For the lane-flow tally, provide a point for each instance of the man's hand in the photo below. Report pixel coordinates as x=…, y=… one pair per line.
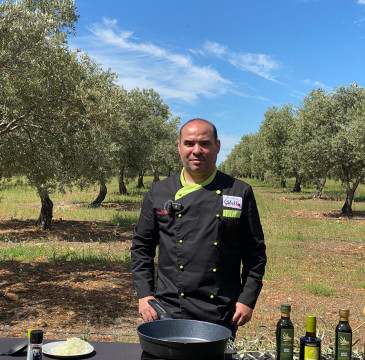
x=146, y=310
x=242, y=315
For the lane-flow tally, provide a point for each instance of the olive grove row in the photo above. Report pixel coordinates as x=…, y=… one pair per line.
x=64, y=120
x=324, y=136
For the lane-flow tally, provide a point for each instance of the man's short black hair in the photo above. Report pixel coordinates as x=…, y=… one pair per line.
x=215, y=134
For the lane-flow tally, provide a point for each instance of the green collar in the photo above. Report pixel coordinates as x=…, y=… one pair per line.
x=187, y=189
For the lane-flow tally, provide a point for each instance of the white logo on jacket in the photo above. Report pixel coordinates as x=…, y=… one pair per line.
x=234, y=202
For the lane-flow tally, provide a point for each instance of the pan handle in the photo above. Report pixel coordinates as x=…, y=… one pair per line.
x=162, y=313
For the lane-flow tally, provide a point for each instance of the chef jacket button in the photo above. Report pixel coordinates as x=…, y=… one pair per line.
x=181, y=267
x=214, y=270
x=180, y=241
x=218, y=192
x=179, y=215
x=212, y=296
x=215, y=244
x=182, y=294
x=217, y=216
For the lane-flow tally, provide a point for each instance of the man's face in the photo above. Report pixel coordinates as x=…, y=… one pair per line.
x=197, y=148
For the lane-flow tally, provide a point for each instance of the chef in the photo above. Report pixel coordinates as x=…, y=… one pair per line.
x=211, y=250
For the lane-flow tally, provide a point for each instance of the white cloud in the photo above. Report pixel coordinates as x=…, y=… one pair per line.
x=260, y=64
x=316, y=84
x=361, y=2
x=145, y=65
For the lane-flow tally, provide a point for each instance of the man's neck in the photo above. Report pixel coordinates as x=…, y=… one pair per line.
x=196, y=178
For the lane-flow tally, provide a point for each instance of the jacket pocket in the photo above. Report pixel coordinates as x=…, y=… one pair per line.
x=232, y=213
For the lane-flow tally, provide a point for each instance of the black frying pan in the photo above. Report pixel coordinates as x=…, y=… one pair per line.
x=182, y=339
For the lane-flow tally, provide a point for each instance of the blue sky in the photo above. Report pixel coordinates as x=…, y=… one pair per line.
x=226, y=61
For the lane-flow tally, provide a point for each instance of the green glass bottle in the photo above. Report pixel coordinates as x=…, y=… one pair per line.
x=343, y=347
x=284, y=335
x=310, y=345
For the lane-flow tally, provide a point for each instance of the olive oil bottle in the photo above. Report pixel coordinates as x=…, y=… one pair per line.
x=284, y=335
x=310, y=345
x=343, y=337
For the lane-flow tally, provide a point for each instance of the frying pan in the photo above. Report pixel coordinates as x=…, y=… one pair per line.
x=16, y=348
x=182, y=339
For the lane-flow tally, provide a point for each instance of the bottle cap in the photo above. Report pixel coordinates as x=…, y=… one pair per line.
x=344, y=313
x=36, y=337
x=311, y=323
x=285, y=308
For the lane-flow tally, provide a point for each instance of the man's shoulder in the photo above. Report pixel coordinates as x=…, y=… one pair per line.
x=173, y=180
x=230, y=181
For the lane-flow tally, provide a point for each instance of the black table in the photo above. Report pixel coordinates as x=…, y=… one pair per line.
x=103, y=351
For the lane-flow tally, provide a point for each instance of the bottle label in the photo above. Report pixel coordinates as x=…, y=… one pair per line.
x=286, y=344
x=344, y=341
x=36, y=354
x=311, y=352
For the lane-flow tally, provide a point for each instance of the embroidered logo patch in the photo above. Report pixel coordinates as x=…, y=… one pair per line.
x=234, y=202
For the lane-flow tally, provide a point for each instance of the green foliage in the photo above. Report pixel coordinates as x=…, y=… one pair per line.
x=324, y=137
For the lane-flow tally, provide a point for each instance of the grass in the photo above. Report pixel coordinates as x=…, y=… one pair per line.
x=28, y=252
x=320, y=289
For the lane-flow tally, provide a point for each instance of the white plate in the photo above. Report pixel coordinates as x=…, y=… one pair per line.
x=47, y=350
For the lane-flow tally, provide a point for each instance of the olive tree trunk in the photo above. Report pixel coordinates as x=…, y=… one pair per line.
x=122, y=187
x=297, y=185
x=45, y=217
x=283, y=183
x=102, y=194
x=350, y=192
x=320, y=185
x=156, y=175
x=140, y=181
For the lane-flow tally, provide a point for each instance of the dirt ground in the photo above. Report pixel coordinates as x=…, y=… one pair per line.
x=98, y=301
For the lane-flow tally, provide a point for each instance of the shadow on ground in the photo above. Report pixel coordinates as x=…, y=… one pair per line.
x=64, y=296
x=65, y=230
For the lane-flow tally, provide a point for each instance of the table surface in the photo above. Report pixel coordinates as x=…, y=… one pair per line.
x=103, y=351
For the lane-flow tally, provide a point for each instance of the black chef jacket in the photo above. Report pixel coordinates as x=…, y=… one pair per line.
x=204, y=234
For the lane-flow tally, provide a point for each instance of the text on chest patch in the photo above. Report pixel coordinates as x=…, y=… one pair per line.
x=234, y=202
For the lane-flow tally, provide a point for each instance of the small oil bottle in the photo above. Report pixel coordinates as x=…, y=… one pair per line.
x=284, y=335
x=310, y=345
x=343, y=337
x=36, y=344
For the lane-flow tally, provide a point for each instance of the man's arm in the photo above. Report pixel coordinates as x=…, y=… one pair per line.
x=253, y=252
x=143, y=251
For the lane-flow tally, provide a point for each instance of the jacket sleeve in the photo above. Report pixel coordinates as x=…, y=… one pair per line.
x=143, y=251
x=253, y=252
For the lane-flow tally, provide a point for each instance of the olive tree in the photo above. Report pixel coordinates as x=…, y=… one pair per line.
x=57, y=107
x=311, y=138
x=348, y=142
x=142, y=132
x=275, y=132
x=37, y=72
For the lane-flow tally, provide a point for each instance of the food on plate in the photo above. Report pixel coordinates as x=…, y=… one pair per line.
x=72, y=346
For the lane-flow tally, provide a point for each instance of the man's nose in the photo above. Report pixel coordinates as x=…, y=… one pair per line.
x=197, y=149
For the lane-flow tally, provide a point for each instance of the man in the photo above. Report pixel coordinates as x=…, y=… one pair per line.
x=205, y=224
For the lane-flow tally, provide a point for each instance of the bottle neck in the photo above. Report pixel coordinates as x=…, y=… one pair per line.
x=285, y=315
x=344, y=320
x=310, y=334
